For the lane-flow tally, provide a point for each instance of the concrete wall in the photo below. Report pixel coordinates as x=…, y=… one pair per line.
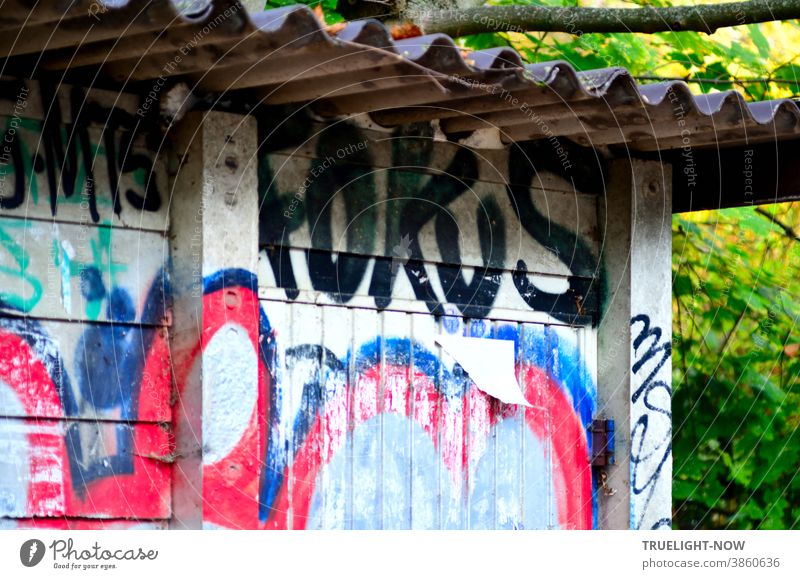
x=85, y=380
x=253, y=320
x=635, y=344
x=372, y=244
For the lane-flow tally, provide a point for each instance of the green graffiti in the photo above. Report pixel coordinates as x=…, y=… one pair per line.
x=23, y=302
x=100, y=260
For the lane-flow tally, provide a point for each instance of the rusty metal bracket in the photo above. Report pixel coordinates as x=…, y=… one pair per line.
x=602, y=443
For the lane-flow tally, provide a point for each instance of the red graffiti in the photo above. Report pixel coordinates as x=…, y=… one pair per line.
x=52, y=490
x=435, y=414
x=231, y=484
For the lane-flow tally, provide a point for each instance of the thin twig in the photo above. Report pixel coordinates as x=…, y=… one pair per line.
x=719, y=80
x=788, y=231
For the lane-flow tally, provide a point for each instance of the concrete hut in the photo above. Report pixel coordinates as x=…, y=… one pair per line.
x=255, y=274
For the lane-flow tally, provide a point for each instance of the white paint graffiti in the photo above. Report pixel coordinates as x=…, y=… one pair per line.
x=228, y=400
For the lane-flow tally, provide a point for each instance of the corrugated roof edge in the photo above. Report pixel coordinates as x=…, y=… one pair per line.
x=653, y=107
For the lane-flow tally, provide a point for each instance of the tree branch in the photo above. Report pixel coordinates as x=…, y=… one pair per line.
x=788, y=231
x=731, y=332
x=682, y=342
x=580, y=20
x=718, y=80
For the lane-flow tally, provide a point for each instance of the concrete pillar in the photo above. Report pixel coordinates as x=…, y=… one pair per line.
x=634, y=344
x=214, y=347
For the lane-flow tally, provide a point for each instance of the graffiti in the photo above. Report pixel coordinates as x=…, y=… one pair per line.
x=378, y=429
x=317, y=170
x=52, y=171
x=288, y=454
x=85, y=378
x=28, y=287
x=348, y=254
x=230, y=359
x=69, y=271
x=367, y=426
x=651, y=433
x=450, y=424
x=109, y=368
x=36, y=480
x=54, y=372
x=91, y=273
x=60, y=158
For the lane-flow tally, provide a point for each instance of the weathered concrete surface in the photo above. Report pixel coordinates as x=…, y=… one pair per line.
x=634, y=370
x=216, y=323
x=85, y=370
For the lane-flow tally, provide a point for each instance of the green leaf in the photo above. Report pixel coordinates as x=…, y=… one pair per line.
x=682, y=285
x=759, y=40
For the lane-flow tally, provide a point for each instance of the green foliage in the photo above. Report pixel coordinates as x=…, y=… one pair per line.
x=328, y=7
x=736, y=359
x=744, y=58
x=740, y=58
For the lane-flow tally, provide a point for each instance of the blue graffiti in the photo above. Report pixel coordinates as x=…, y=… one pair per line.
x=539, y=346
x=560, y=359
x=108, y=367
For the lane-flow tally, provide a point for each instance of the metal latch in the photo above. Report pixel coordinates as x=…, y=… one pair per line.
x=602, y=442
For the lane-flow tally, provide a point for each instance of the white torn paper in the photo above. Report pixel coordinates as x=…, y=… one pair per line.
x=490, y=364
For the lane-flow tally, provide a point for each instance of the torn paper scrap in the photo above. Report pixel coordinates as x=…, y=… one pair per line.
x=490, y=364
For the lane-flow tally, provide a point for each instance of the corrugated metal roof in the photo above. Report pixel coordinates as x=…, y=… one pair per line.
x=285, y=56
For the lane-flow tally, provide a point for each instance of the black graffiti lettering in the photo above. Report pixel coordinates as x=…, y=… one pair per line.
x=649, y=453
x=434, y=195
x=281, y=264
x=18, y=196
x=478, y=296
x=151, y=200
x=573, y=252
x=380, y=286
x=124, y=160
x=415, y=198
x=568, y=306
x=80, y=131
x=67, y=155
x=58, y=162
x=339, y=273
x=124, y=126
x=110, y=142
x=664, y=348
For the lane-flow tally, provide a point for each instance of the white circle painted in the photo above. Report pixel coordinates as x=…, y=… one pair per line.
x=230, y=392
